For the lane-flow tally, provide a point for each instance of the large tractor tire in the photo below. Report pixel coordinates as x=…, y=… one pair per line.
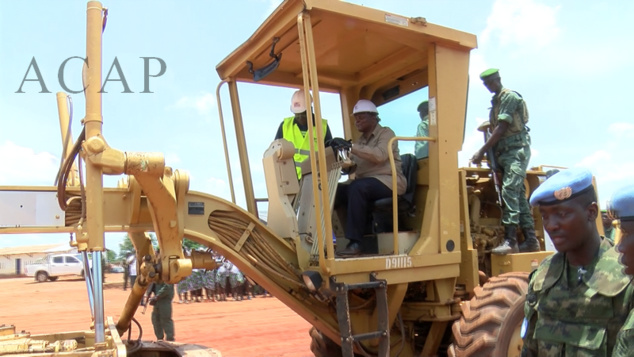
x=322, y=346
x=490, y=323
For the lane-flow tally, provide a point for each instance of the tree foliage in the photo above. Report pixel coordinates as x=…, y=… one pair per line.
x=111, y=255
x=191, y=245
x=126, y=246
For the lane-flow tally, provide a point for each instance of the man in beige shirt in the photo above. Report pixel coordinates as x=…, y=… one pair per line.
x=373, y=174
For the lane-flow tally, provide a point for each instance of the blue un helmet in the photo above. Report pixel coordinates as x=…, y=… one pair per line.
x=562, y=186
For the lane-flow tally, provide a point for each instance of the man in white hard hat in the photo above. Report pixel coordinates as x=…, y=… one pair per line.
x=295, y=129
x=373, y=174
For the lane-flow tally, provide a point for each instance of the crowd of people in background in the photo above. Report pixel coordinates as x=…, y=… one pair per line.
x=225, y=283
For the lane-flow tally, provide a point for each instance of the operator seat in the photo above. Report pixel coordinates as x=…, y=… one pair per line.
x=382, y=210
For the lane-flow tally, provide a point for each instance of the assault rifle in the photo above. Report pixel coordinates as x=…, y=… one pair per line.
x=145, y=300
x=486, y=129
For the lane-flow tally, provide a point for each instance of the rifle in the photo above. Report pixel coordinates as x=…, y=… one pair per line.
x=485, y=128
x=145, y=300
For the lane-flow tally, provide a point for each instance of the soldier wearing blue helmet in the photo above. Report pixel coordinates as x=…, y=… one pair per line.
x=578, y=298
x=621, y=207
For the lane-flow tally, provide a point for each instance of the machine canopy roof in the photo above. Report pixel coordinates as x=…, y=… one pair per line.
x=382, y=54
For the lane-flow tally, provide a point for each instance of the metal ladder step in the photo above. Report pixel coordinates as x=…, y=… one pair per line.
x=343, y=317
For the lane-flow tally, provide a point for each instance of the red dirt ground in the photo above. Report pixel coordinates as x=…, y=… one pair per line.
x=260, y=327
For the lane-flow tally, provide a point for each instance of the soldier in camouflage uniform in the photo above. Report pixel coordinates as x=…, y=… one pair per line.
x=511, y=147
x=162, y=312
x=622, y=208
x=608, y=229
x=578, y=298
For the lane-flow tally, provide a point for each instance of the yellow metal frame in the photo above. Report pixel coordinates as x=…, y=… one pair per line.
x=410, y=53
x=430, y=257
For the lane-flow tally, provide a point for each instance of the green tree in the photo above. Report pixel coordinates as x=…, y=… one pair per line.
x=191, y=245
x=111, y=255
x=126, y=246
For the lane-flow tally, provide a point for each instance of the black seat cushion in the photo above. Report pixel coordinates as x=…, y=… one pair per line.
x=406, y=200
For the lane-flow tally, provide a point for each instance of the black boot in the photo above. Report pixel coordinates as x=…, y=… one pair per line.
x=530, y=243
x=353, y=249
x=510, y=242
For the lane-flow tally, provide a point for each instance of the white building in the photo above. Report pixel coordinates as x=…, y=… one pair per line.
x=13, y=259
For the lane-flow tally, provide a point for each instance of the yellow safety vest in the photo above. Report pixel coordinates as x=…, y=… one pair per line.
x=291, y=132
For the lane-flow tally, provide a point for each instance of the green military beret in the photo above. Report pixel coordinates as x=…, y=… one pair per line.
x=490, y=73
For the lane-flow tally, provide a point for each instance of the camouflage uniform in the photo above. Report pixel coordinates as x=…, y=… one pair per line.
x=625, y=339
x=421, y=148
x=126, y=274
x=575, y=313
x=512, y=154
x=162, y=312
x=609, y=233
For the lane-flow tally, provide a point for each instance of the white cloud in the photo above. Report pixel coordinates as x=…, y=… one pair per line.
x=534, y=155
x=473, y=141
x=623, y=130
x=203, y=103
x=596, y=159
x=524, y=23
x=606, y=59
x=23, y=166
x=477, y=64
x=612, y=169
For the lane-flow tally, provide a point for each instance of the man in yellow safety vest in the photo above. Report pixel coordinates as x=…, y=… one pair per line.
x=295, y=129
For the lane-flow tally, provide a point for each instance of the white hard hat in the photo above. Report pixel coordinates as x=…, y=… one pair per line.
x=364, y=106
x=298, y=102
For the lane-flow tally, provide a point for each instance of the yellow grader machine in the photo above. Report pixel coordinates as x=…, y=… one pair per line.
x=430, y=286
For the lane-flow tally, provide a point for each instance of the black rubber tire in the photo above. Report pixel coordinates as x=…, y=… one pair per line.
x=53, y=278
x=41, y=276
x=491, y=319
x=322, y=346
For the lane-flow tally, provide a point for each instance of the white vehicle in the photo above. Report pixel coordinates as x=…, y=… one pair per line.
x=56, y=265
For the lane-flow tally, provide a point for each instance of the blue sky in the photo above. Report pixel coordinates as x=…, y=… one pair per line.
x=570, y=59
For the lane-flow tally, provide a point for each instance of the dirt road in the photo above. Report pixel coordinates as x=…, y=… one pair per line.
x=258, y=327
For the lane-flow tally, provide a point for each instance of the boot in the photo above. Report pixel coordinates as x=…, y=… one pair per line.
x=530, y=243
x=510, y=242
x=353, y=249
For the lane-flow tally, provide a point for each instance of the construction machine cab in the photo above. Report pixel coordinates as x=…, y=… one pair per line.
x=330, y=46
x=361, y=53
